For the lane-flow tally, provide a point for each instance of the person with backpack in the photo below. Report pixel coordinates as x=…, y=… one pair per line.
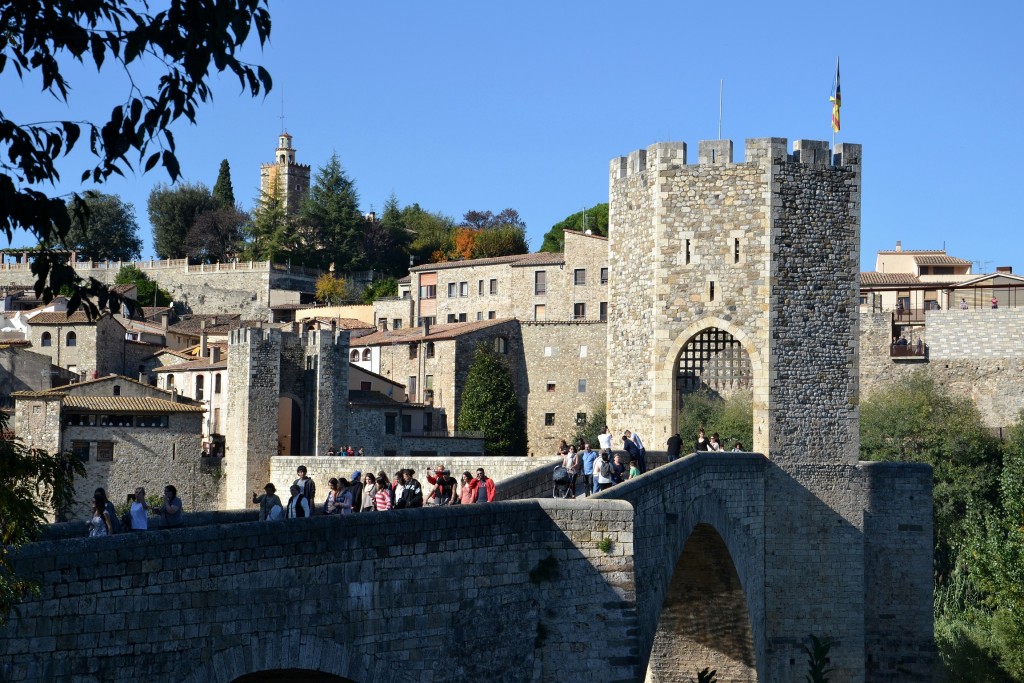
x=603, y=472
x=298, y=504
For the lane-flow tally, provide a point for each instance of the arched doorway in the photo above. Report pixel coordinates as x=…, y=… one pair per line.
x=704, y=622
x=713, y=360
x=289, y=427
x=291, y=676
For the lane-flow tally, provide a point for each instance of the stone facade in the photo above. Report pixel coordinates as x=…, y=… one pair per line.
x=22, y=369
x=979, y=334
x=90, y=348
x=284, y=178
x=565, y=366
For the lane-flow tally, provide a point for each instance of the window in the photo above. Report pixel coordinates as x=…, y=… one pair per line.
x=581, y=386
x=463, y=289
x=539, y=312
x=490, y=315
x=104, y=451
x=579, y=311
x=366, y=354
x=494, y=286
x=216, y=383
x=428, y=422
x=389, y=423
x=452, y=318
x=687, y=251
x=170, y=380
x=396, y=324
x=583, y=350
x=117, y=390
x=863, y=299
x=72, y=339
x=480, y=287
x=410, y=387
x=365, y=386
x=550, y=352
x=551, y=386
x=549, y=419
x=479, y=315
x=462, y=317
x=428, y=291
x=736, y=251
x=354, y=357
x=215, y=427
x=602, y=311
x=581, y=418
x=80, y=449
x=604, y=276
x=501, y=345
x=413, y=350
x=428, y=389
x=406, y=424
x=429, y=351
x=540, y=282
x=45, y=340
x=579, y=276
x=200, y=381
x=453, y=289
x=711, y=291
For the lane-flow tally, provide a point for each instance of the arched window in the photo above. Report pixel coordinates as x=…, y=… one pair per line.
x=72, y=339
x=200, y=382
x=170, y=380
x=117, y=390
x=354, y=357
x=45, y=340
x=500, y=345
x=366, y=354
x=216, y=383
x=430, y=350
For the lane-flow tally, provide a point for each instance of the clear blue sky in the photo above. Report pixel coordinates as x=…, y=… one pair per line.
x=460, y=105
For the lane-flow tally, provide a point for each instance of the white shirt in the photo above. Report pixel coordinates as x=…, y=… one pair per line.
x=604, y=441
x=598, y=464
x=637, y=441
x=140, y=518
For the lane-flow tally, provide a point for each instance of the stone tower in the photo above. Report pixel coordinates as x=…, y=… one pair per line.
x=289, y=179
x=751, y=267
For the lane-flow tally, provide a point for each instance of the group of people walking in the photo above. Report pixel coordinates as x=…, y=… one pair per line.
x=600, y=469
x=374, y=493
x=104, y=520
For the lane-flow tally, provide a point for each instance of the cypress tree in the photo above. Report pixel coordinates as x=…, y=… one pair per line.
x=223, y=191
x=489, y=405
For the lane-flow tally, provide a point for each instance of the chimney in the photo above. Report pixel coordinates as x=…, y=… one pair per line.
x=382, y=324
x=164, y=320
x=899, y=245
x=202, y=340
x=214, y=354
x=1004, y=269
x=426, y=327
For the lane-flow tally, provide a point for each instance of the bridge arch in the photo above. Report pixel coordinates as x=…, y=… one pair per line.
x=704, y=621
x=318, y=659
x=666, y=396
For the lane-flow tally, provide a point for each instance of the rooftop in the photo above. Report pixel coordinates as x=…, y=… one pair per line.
x=129, y=404
x=61, y=318
x=415, y=334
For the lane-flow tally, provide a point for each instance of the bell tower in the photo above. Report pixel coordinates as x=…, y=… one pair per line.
x=285, y=178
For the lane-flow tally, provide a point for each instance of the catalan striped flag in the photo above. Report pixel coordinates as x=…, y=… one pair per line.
x=836, y=99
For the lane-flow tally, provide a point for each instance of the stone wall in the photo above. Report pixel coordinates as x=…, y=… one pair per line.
x=22, y=369
x=556, y=364
x=368, y=430
x=542, y=604
x=979, y=334
x=992, y=382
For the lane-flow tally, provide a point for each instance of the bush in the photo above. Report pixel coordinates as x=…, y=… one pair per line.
x=732, y=418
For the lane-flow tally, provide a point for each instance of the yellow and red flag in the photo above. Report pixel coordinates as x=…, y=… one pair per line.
x=836, y=99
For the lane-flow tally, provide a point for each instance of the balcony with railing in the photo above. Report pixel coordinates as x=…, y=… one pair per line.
x=909, y=350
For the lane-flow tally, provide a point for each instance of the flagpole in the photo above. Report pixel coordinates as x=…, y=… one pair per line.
x=721, y=88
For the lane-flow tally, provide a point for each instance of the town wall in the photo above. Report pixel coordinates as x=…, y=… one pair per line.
x=553, y=353
x=368, y=430
x=987, y=372
x=978, y=334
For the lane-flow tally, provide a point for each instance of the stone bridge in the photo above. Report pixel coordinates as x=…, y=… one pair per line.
x=720, y=560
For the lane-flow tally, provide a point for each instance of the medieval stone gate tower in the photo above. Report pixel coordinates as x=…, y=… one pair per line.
x=730, y=276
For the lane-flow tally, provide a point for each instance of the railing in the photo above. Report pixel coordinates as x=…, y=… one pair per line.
x=914, y=350
x=908, y=315
x=183, y=264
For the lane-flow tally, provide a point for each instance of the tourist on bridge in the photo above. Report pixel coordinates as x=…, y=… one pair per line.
x=306, y=485
x=339, y=498
x=714, y=444
x=444, y=489
x=298, y=504
x=383, y=493
x=99, y=522
x=483, y=488
x=267, y=501
x=634, y=471
x=357, y=491
x=604, y=441
x=675, y=447
x=111, y=511
x=138, y=511
x=603, y=472
x=170, y=512
x=588, y=458
x=702, y=441
x=466, y=489
x=410, y=493
x=571, y=462
x=633, y=451
x=369, y=491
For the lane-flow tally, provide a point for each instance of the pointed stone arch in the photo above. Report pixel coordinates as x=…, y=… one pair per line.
x=666, y=399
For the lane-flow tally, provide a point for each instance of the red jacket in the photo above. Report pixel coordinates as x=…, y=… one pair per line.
x=489, y=483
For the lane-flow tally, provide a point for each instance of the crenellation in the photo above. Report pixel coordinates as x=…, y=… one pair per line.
x=714, y=152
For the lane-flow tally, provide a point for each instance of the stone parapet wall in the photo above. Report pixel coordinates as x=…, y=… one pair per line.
x=104, y=602
x=978, y=334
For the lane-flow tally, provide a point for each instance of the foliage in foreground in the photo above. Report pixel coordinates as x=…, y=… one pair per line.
x=489, y=405
x=732, y=418
x=32, y=483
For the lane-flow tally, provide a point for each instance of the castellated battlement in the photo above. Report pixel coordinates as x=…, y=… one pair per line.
x=290, y=164
x=763, y=151
x=249, y=336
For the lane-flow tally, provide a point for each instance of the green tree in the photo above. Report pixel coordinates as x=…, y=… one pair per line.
x=732, y=417
x=148, y=293
x=270, y=236
x=33, y=483
x=913, y=420
x=330, y=290
x=386, y=242
x=331, y=212
x=489, y=405
x=215, y=236
x=103, y=227
x=380, y=288
x=173, y=211
x=505, y=240
x=594, y=219
x=433, y=234
x=40, y=37
x=597, y=418
x=223, y=191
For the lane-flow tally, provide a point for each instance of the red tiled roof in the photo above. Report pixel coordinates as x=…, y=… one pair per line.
x=541, y=258
x=467, y=263
x=873, y=278
x=61, y=318
x=437, y=333
x=940, y=260
x=194, y=365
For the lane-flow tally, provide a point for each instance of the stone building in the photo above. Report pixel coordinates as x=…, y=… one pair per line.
x=541, y=286
x=203, y=380
x=127, y=434
x=284, y=178
x=90, y=348
x=759, y=260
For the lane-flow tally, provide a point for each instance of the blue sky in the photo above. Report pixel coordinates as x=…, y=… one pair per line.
x=460, y=105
